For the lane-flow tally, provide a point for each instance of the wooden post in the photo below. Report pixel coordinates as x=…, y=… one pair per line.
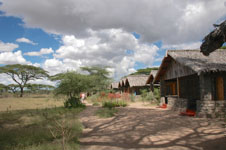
x=178, y=87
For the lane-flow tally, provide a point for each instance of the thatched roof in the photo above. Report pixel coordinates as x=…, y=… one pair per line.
x=151, y=76
x=137, y=80
x=114, y=85
x=121, y=83
x=194, y=60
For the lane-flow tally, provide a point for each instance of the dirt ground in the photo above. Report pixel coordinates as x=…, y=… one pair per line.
x=142, y=128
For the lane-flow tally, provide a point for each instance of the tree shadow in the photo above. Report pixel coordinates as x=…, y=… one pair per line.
x=134, y=128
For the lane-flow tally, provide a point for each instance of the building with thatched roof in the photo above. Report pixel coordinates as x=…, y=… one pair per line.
x=190, y=80
x=114, y=86
x=135, y=83
x=150, y=80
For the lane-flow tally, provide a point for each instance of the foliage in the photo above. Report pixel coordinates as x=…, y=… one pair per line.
x=153, y=97
x=113, y=104
x=157, y=94
x=39, y=88
x=72, y=84
x=73, y=102
x=106, y=112
x=223, y=47
x=13, y=88
x=132, y=97
x=21, y=74
x=35, y=127
x=144, y=71
x=3, y=88
x=98, y=77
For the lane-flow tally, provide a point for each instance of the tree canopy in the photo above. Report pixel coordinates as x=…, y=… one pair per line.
x=21, y=74
x=71, y=84
x=98, y=78
x=144, y=71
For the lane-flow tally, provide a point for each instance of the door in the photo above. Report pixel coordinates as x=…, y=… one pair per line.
x=220, y=88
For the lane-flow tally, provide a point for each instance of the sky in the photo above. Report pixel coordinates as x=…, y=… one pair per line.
x=124, y=35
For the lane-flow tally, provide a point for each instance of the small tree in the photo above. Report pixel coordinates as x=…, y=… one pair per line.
x=71, y=84
x=21, y=74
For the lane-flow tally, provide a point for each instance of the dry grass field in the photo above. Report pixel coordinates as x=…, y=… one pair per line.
x=29, y=102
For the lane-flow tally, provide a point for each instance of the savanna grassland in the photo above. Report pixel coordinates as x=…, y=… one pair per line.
x=34, y=101
x=38, y=122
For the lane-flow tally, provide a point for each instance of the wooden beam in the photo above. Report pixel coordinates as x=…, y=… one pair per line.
x=178, y=87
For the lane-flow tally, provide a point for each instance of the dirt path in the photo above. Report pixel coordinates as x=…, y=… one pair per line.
x=144, y=128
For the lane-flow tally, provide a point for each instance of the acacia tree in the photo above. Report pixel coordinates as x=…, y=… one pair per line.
x=71, y=84
x=21, y=74
x=3, y=88
x=39, y=88
x=13, y=88
x=99, y=78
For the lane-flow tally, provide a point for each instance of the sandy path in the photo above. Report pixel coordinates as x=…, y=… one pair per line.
x=150, y=128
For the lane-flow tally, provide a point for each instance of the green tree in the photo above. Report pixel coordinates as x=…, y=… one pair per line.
x=38, y=88
x=98, y=78
x=144, y=71
x=3, y=88
x=13, y=88
x=71, y=84
x=21, y=74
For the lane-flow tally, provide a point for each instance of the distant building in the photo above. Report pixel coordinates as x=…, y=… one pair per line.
x=114, y=86
x=190, y=80
x=134, y=84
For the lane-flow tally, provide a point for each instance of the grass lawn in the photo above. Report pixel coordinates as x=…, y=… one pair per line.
x=29, y=102
x=39, y=129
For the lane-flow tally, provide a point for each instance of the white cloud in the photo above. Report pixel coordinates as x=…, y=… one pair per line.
x=12, y=58
x=7, y=47
x=25, y=40
x=43, y=51
x=173, y=21
x=101, y=34
x=105, y=48
x=55, y=66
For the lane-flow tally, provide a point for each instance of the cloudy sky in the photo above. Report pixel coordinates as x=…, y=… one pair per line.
x=125, y=35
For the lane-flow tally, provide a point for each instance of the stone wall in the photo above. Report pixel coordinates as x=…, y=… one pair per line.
x=175, y=103
x=211, y=109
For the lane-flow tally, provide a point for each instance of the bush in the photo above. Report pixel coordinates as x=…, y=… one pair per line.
x=112, y=104
x=132, y=98
x=73, y=102
x=153, y=97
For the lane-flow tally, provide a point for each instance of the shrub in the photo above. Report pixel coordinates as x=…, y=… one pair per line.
x=73, y=102
x=112, y=104
x=132, y=98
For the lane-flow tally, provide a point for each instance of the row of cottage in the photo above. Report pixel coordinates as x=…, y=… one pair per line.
x=187, y=80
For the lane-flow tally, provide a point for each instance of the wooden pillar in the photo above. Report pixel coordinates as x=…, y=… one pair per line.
x=178, y=87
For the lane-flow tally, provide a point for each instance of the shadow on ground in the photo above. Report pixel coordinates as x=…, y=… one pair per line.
x=140, y=128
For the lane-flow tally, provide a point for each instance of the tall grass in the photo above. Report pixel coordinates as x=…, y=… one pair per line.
x=30, y=129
